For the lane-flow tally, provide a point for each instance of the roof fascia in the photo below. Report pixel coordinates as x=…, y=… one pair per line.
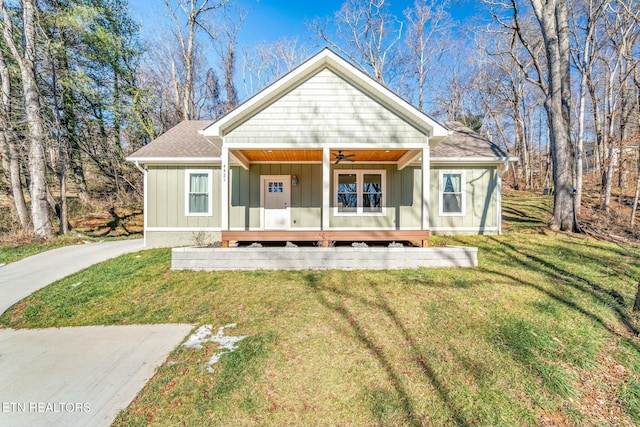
x=174, y=160
x=472, y=160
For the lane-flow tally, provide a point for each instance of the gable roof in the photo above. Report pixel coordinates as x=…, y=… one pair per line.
x=327, y=59
x=183, y=142
x=466, y=144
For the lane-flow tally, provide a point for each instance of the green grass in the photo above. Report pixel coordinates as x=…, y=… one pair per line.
x=540, y=333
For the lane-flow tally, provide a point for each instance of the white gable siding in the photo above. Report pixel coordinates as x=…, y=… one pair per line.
x=325, y=109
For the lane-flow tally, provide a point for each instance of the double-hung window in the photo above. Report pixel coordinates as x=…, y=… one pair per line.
x=198, y=185
x=452, y=193
x=359, y=192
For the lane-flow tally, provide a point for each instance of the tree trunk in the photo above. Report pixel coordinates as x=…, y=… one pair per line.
x=69, y=123
x=579, y=160
x=189, y=64
x=552, y=16
x=637, y=192
x=9, y=150
x=62, y=153
x=521, y=140
x=37, y=164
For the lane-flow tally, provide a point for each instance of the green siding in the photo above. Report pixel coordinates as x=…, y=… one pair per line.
x=481, y=199
x=306, y=197
x=403, y=199
x=163, y=239
x=166, y=198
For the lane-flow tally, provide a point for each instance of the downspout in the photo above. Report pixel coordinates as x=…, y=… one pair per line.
x=144, y=202
x=500, y=175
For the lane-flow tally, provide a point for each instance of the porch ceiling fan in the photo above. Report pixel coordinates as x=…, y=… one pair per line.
x=340, y=157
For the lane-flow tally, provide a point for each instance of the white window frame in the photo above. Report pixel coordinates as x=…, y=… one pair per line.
x=359, y=191
x=187, y=189
x=463, y=191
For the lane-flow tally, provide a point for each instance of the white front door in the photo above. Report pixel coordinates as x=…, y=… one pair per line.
x=276, y=201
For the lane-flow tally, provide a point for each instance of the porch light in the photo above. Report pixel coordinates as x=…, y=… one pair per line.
x=294, y=180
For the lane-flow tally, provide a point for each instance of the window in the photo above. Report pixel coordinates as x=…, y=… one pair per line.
x=347, y=193
x=198, y=192
x=359, y=192
x=372, y=192
x=276, y=187
x=452, y=195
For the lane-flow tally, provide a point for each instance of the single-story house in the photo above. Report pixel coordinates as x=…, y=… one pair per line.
x=325, y=153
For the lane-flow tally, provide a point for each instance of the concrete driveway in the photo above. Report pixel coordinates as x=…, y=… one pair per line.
x=22, y=278
x=73, y=376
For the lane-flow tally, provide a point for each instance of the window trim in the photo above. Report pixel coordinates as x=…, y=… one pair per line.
x=359, y=191
x=463, y=191
x=187, y=191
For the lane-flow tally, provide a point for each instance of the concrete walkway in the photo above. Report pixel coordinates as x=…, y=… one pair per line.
x=73, y=376
x=78, y=376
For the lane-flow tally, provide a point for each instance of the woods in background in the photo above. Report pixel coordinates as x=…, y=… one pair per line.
x=557, y=85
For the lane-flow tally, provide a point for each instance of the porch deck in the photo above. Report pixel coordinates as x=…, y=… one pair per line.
x=421, y=237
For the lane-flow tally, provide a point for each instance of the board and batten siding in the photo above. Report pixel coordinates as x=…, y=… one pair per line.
x=306, y=197
x=166, y=208
x=481, y=215
x=403, y=199
x=324, y=109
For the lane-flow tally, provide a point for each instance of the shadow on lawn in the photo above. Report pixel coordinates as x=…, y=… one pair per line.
x=606, y=296
x=330, y=298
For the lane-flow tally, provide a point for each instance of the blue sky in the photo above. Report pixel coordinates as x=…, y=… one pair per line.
x=269, y=20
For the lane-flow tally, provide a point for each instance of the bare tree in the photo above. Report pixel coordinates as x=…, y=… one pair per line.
x=195, y=12
x=552, y=75
x=227, y=50
x=509, y=86
x=26, y=59
x=617, y=67
x=426, y=41
x=270, y=61
x=367, y=33
x=553, y=18
x=585, y=16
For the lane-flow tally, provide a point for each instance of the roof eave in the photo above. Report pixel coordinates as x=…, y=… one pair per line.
x=174, y=160
x=474, y=160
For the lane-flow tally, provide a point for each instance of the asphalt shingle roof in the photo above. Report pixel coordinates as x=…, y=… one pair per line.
x=182, y=140
x=466, y=143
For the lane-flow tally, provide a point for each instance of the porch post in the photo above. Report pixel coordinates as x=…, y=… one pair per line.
x=224, y=191
x=426, y=186
x=326, y=189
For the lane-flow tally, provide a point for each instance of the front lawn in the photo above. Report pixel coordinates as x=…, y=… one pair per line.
x=541, y=333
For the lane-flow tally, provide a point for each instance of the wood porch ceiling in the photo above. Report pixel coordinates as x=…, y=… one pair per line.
x=316, y=155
